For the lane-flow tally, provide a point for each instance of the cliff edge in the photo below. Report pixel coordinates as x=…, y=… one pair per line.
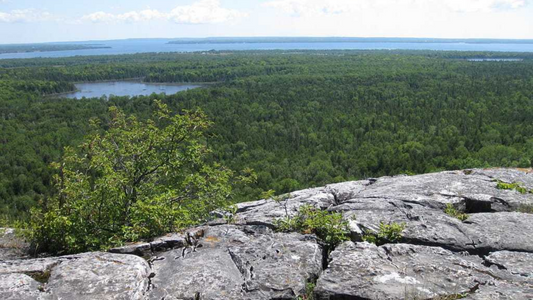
x=486, y=254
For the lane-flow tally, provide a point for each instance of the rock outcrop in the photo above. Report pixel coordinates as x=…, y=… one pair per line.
x=12, y=246
x=487, y=256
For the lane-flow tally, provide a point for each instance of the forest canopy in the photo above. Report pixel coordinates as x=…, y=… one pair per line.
x=297, y=118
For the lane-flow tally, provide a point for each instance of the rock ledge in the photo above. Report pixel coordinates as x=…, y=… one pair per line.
x=487, y=256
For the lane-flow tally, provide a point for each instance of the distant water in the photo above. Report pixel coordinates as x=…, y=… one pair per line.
x=125, y=88
x=160, y=45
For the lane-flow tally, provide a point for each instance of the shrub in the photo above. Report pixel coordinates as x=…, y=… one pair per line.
x=328, y=226
x=388, y=233
x=452, y=212
x=512, y=186
x=134, y=181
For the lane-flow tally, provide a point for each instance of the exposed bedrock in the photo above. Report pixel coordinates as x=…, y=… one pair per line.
x=487, y=254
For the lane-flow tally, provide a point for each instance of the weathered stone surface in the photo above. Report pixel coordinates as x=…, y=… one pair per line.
x=502, y=291
x=238, y=263
x=512, y=266
x=488, y=256
x=522, y=176
x=85, y=276
x=400, y=271
x=20, y=287
x=163, y=243
x=475, y=190
x=422, y=225
x=11, y=246
x=501, y=231
x=38, y=265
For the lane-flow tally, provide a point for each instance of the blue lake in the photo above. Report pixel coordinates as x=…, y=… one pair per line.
x=161, y=45
x=125, y=88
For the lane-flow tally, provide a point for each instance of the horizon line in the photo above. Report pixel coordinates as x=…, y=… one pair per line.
x=274, y=37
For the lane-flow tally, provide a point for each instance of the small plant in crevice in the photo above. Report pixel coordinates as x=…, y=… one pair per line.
x=388, y=233
x=268, y=194
x=230, y=214
x=451, y=211
x=512, y=186
x=330, y=227
x=309, y=292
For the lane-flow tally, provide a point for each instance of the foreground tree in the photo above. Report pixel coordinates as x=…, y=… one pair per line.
x=136, y=180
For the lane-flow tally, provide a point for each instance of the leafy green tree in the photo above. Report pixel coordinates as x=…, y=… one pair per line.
x=136, y=180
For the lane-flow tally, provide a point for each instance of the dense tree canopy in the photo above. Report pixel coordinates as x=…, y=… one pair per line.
x=299, y=119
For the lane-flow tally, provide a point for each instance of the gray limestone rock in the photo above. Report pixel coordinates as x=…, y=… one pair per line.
x=163, y=243
x=501, y=290
x=238, y=263
x=501, y=231
x=94, y=275
x=516, y=263
x=423, y=225
x=399, y=271
x=21, y=287
x=11, y=246
x=475, y=190
x=488, y=256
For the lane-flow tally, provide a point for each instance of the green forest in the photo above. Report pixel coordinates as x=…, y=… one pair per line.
x=297, y=118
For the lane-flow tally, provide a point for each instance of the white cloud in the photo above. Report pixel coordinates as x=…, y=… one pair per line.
x=308, y=7
x=132, y=16
x=201, y=12
x=25, y=16
x=205, y=11
x=320, y=7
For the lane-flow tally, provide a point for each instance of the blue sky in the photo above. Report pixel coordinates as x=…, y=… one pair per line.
x=25, y=21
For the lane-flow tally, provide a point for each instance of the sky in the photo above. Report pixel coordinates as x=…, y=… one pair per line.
x=33, y=21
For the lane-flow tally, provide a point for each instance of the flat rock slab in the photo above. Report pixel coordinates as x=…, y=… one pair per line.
x=20, y=287
x=502, y=291
x=399, y=271
x=501, y=231
x=423, y=225
x=516, y=263
x=233, y=263
x=94, y=275
x=475, y=190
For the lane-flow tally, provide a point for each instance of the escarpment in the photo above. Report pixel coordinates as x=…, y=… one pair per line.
x=487, y=253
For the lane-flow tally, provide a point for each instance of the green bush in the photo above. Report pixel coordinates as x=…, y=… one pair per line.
x=329, y=227
x=134, y=181
x=388, y=233
x=452, y=212
x=512, y=186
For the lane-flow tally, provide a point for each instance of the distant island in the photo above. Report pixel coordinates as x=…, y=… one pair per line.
x=24, y=48
x=237, y=40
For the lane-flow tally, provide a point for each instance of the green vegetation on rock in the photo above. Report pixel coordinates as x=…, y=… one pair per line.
x=328, y=226
x=136, y=180
x=388, y=233
x=512, y=186
x=451, y=211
